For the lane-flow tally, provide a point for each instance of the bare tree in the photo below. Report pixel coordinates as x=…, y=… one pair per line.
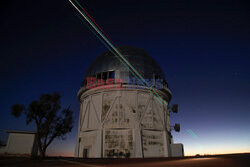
x=50, y=122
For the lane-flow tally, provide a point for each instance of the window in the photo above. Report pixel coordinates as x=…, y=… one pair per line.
x=111, y=74
x=99, y=76
x=105, y=75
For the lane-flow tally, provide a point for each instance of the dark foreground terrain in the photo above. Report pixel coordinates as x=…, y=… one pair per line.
x=229, y=160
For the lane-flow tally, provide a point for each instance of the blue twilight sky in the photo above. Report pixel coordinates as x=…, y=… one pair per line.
x=203, y=48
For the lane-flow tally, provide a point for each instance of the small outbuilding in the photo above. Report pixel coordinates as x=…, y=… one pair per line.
x=21, y=143
x=177, y=150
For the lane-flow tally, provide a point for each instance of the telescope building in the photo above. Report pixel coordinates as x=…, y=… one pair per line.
x=119, y=117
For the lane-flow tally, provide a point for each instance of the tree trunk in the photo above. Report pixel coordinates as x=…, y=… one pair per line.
x=43, y=154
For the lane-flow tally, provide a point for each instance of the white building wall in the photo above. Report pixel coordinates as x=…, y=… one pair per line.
x=122, y=122
x=21, y=143
x=177, y=150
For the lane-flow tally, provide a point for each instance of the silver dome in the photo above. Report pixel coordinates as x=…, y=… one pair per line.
x=138, y=58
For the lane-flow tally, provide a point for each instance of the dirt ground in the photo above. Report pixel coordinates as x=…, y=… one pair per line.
x=230, y=160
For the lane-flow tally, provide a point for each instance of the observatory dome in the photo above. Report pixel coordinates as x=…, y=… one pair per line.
x=125, y=119
x=109, y=66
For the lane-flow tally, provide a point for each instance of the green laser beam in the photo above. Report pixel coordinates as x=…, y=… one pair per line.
x=121, y=56
x=192, y=133
x=109, y=48
x=135, y=72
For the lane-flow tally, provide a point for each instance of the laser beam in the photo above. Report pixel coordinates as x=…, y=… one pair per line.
x=116, y=52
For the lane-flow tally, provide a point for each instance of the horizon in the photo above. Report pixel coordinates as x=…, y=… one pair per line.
x=202, y=48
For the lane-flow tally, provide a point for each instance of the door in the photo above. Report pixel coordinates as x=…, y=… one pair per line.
x=85, y=153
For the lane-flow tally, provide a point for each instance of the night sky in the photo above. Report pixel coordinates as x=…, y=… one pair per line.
x=202, y=46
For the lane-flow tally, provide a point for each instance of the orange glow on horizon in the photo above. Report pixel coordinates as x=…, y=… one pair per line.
x=62, y=154
x=186, y=154
x=216, y=152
